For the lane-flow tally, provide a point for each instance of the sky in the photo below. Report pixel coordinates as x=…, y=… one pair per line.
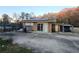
x=37, y=10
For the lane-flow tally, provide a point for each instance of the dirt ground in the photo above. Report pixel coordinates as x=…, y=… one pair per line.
x=46, y=42
x=49, y=42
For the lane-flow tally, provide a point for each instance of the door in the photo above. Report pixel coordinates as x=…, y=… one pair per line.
x=61, y=28
x=53, y=28
x=39, y=27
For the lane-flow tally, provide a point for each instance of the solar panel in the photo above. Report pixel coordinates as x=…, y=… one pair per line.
x=39, y=19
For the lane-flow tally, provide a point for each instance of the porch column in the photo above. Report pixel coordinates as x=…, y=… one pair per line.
x=63, y=28
x=49, y=27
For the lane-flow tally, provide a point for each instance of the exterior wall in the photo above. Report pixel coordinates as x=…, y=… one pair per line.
x=34, y=28
x=45, y=27
x=57, y=28
x=49, y=27
x=29, y=24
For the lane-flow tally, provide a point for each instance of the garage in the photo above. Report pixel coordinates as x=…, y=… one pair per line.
x=66, y=28
x=27, y=27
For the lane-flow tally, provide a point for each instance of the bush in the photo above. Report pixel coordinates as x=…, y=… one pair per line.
x=6, y=46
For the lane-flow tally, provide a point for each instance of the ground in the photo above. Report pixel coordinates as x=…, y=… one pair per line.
x=47, y=42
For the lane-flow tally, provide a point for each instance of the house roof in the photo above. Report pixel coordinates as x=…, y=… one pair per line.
x=40, y=20
x=65, y=24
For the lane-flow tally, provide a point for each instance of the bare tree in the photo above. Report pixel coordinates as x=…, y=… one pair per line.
x=5, y=18
x=22, y=15
x=5, y=21
x=15, y=16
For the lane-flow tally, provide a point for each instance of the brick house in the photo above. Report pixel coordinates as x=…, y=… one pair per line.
x=42, y=25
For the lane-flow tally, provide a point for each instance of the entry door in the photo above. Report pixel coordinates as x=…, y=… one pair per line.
x=40, y=27
x=53, y=27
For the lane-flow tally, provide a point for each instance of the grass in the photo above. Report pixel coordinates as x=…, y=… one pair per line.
x=6, y=46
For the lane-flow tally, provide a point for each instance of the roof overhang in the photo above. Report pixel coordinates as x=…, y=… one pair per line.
x=32, y=21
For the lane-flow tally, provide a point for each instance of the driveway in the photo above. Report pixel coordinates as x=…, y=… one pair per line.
x=49, y=42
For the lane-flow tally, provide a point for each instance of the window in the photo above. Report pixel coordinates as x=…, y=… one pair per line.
x=40, y=27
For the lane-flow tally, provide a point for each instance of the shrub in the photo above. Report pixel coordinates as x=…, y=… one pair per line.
x=7, y=46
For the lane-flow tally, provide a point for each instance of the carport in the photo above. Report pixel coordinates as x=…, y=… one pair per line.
x=66, y=28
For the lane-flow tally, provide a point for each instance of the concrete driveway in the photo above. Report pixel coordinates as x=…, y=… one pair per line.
x=49, y=42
